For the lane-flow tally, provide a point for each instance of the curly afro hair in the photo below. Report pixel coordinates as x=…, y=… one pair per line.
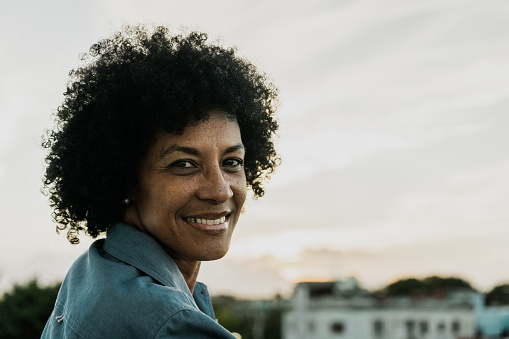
x=138, y=82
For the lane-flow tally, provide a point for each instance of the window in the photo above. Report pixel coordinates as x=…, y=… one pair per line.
x=410, y=327
x=378, y=328
x=337, y=327
x=441, y=327
x=423, y=327
x=455, y=327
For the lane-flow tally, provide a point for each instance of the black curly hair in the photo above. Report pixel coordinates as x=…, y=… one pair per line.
x=138, y=82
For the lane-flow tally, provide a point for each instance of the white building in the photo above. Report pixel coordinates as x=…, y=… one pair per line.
x=344, y=311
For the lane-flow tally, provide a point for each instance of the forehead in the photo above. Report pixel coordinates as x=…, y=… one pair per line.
x=217, y=131
x=216, y=122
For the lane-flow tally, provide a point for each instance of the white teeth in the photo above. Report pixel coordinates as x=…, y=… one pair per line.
x=207, y=221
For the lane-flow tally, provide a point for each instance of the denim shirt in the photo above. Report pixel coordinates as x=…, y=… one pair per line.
x=127, y=286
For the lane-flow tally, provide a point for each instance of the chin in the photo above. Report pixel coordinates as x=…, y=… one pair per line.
x=215, y=255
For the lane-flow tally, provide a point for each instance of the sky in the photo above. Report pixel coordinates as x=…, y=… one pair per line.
x=393, y=138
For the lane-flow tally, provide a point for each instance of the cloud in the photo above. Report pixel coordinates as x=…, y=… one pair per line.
x=258, y=278
x=456, y=255
x=393, y=132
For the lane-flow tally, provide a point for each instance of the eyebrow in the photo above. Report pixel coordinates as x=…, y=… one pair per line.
x=194, y=151
x=234, y=148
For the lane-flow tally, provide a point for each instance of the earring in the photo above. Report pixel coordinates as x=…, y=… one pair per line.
x=127, y=201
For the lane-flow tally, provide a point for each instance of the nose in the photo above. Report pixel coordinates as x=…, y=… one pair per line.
x=215, y=186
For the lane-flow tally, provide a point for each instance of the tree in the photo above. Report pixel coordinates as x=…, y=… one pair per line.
x=427, y=286
x=253, y=319
x=272, y=328
x=435, y=283
x=499, y=295
x=231, y=314
x=25, y=309
x=404, y=287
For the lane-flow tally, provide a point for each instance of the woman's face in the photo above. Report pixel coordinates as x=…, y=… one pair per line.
x=191, y=189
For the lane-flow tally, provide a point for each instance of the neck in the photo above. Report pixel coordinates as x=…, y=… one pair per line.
x=188, y=267
x=190, y=270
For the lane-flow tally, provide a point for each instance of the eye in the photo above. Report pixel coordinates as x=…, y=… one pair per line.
x=233, y=163
x=182, y=166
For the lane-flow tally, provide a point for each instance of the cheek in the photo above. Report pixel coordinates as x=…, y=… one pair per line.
x=154, y=200
x=240, y=190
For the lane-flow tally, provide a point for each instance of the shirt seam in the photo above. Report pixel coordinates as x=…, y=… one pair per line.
x=72, y=323
x=170, y=318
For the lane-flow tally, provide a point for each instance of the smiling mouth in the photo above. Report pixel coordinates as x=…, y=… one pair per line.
x=209, y=226
x=208, y=222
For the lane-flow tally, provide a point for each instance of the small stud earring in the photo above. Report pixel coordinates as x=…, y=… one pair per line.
x=127, y=201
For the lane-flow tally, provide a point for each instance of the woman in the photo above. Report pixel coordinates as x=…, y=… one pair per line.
x=156, y=143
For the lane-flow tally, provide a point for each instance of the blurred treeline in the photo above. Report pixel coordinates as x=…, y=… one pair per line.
x=25, y=309
x=437, y=286
x=253, y=319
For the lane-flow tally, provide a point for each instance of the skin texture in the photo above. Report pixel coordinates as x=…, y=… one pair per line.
x=196, y=174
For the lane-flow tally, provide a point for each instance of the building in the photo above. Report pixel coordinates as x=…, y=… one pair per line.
x=341, y=309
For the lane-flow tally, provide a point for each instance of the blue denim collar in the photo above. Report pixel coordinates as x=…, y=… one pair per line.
x=140, y=250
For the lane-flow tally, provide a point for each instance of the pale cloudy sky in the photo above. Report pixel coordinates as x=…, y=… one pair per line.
x=393, y=136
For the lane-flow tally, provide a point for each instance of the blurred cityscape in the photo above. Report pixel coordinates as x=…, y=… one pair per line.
x=433, y=308
x=429, y=308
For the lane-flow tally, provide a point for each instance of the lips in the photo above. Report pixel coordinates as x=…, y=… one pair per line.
x=210, y=223
x=204, y=221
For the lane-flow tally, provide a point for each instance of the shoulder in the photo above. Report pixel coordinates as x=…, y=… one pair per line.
x=102, y=296
x=192, y=324
x=134, y=318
